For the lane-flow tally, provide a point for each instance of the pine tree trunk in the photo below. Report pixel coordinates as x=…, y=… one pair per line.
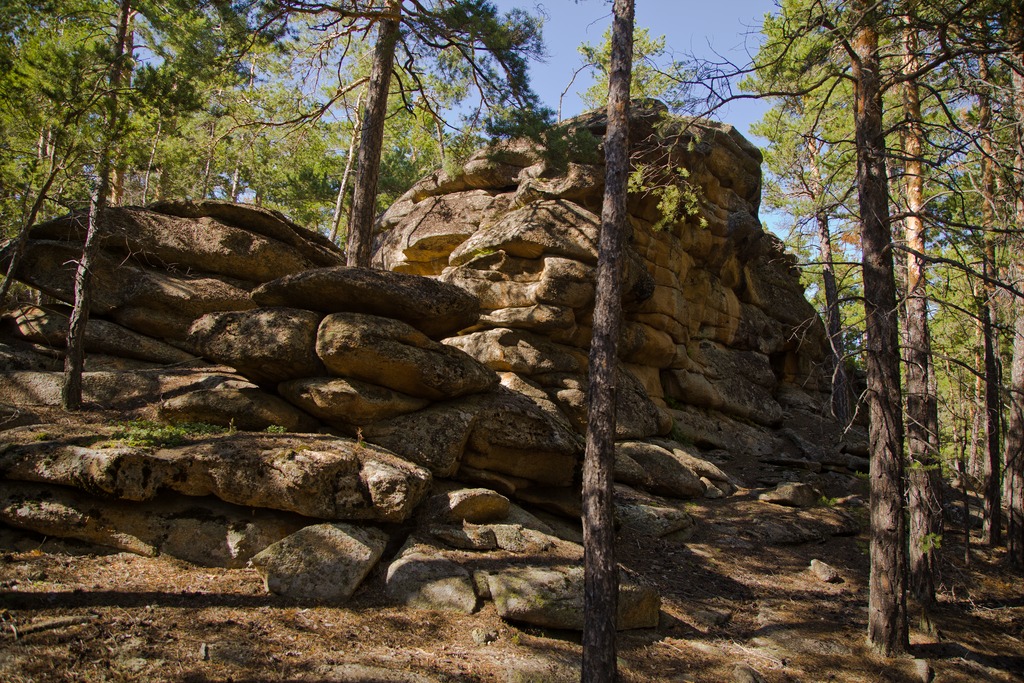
x=833, y=322
x=601, y=582
x=1014, y=453
x=1015, y=433
x=364, y=200
x=74, y=359
x=339, y=204
x=887, y=608
x=987, y=314
x=925, y=486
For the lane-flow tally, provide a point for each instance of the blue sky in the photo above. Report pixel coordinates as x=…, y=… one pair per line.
x=726, y=27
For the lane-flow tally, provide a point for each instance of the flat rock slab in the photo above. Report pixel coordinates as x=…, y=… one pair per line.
x=323, y=562
x=396, y=355
x=348, y=402
x=793, y=494
x=267, y=222
x=204, y=531
x=267, y=345
x=422, y=578
x=312, y=475
x=48, y=326
x=552, y=597
x=200, y=243
x=433, y=307
x=245, y=408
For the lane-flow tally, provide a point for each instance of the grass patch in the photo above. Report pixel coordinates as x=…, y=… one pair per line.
x=148, y=434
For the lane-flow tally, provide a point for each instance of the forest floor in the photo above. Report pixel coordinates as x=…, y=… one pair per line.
x=732, y=610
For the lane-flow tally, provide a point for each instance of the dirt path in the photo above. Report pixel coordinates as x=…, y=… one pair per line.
x=736, y=605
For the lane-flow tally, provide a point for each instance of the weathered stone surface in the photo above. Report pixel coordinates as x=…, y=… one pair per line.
x=19, y=356
x=348, y=402
x=794, y=494
x=552, y=597
x=736, y=382
x=243, y=407
x=500, y=280
x=636, y=416
x=312, y=245
x=312, y=475
x=324, y=562
x=476, y=506
x=48, y=326
x=423, y=578
x=430, y=230
x=393, y=354
x=108, y=389
x=201, y=244
x=553, y=228
x=433, y=307
x=170, y=301
x=434, y=438
x=513, y=436
x=642, y=519
x=506, y=350
x=267, y=345
x=666, y=474
x=203, y=531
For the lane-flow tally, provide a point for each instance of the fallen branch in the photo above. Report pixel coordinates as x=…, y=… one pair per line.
x=50, y=624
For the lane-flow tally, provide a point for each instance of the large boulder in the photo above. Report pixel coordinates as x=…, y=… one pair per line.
x=267, y=345
x=204, y=531
x=315, y=476
x=201, y=244
x=322, y=563
x=552, y=597
x=158, y=303
x=48, y=326
x=433, y=307
x=347, y=403
x=313, y=246
x=392, y=354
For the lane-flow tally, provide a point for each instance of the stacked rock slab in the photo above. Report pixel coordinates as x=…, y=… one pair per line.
x=462, y=357
x=716, y=326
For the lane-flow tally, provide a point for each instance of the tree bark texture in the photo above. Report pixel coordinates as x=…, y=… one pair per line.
x=887, y=607
x=925, y=497
x=74, y=359
x=601, y=584
x=343, y=185
x=1015, y=432
x=1014, y=453
x=364, y=200
x=992, y=525
x=833, y=322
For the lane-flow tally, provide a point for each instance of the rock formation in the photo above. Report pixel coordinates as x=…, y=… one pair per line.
x=461, y=358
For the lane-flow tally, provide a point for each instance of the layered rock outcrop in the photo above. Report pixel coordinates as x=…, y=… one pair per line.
x=462, y=357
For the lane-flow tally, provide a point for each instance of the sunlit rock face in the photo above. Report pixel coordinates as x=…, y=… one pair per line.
x=460, y=360
x=715, y=314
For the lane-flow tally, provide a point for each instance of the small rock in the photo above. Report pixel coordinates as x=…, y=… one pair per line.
x=712, y=491
x=482, y=637
x=427, y=580
x=321, y=562
x=477, y=506
x=924, y=670
x=709, y=617
x=466, y=537
x=794, y=494
x=825, y=572
x=744, y=673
